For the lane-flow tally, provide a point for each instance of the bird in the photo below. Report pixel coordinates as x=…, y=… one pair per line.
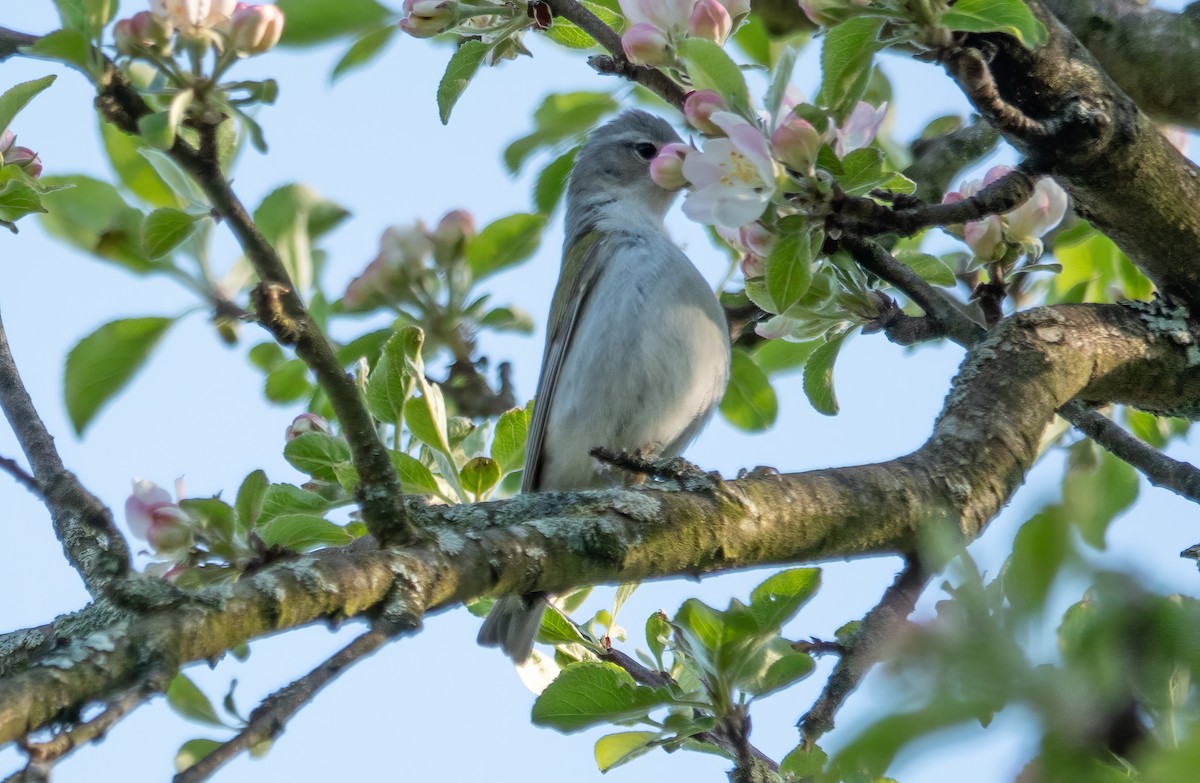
x=637, y=346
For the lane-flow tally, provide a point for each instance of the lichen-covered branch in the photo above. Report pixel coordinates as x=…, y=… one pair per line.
x=1152, y=53
x=84, y=525
x=985, y=440
x=1070, y=120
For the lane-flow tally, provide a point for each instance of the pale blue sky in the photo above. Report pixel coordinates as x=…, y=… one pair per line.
x=436, y=706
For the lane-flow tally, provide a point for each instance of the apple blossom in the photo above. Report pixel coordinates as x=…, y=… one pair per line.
x=984, y=237
x=24, y=158
x=667, y=167
x=427, y=18
x=402, y=254
x=646, y=44
x=710, y=20
x=1043, y=211
x=698, y=107
x=305, y=423
x=796, y=143
x=154, y=517
x=254, y=29
x=7, y=139
x=452, y=233
x=193, y=16
x=859, y=129
x=754, y=241
x=732, y=178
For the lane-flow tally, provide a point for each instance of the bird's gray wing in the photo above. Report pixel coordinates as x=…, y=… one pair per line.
x=580, y=270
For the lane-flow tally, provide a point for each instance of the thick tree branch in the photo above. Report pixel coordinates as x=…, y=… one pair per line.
x=281, y=311
x=616, y=62
x=90, y=539
x=982, y=444
x=870, y=644
x=269, y=719
x=1058, y=108
x=937, y=161
x=1153, y=54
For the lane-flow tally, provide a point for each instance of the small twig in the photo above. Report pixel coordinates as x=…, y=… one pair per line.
x=616, y=62
x=877, y=630
x=23, y=478
x=84, y=526
x=970, y=69
x=11, y=42
x=1182, y=478
x=676, y=469
x=815, y=646
x=269, y=718
x=900, y=327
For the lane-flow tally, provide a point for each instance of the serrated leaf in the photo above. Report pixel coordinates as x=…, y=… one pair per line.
x=789, y=268
x=557, y=629
x=250, y=498
x=1012, y=17
x=818, y=376
x=314, y=21
x=302, y=532
x=459, y=72
x=102, y=363
x=613, y=750
x=65, y=46
x=504, y=242
x=750, y=403
x=772, y=667
x=508, y=441
x=18, y=97
x=862, y=171
x=479, y=475
x=710, y=68
x=316, y=454
x=930, y=268
x=18, y=199
x=588, y=694
x=393, y=380
x=803, y=763
x=190, y=702
x=164, y=229
x=847, y=54
x=285, y=499
x=777, y=599
x=415, y=478
x=363, y=51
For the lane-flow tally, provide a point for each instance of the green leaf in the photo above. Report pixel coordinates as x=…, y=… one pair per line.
x=561, y=116
x=157, y=129
x=302, y=532
x=285, y=499
x=551, y=182
x=459, y=72
x=658, y=635
x=508, y=442
x=18, y=199
x=847, y=54
x=862, y=171
x=803, y=763
x=169, y=172
x=426, y=419
x=775, y=356
x=316, y=454
x=193, y=751
x=1096, y=494
x=72, y=13
x=558, y=629
x=588, y=694
x=65, y=46
x=135, y=172
x=931, y=269
x=18, y=96
x=363, y=51
x=818, y=376
x=780, y=596
x=504, y=242
x=479, y=475
x=613, y=750
x=292, y=217
x=393, y=379
x=92, y=216
x=571, y=36
x=314, y=21
x=710, y=68
x=415, y=478
x=772, y=667
x=789, y=267
x=1012, y=17
x=750, y=403
x=214, y=514
x=250, y=498
x=102, y=363
x=1041, y=546
x=722, y=642
x=190, y=702
x=288, y=382
x=164, y=229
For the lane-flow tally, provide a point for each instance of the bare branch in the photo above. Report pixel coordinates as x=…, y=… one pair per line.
x=11, y=467
x=269, y=719
x=11, y=41
x=90, y=539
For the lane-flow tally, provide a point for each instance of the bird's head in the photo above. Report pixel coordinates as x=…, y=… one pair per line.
x=615, y=162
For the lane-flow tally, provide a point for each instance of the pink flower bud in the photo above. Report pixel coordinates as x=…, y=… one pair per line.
x=254, y=29
x=698, y=108
x=710, y=20
x=984, y=237
x=7, y=139
x=24, y=158
x=757, y=239
x=796, y=143
x=141, y=32
x=155, y=518
x=995, y=173
x=1042, y=212
x=305, y=423
x=667, y=167
x=738, y=9
x=427, y=18
x=646, y=44
x=860, y=128
x=451, y=235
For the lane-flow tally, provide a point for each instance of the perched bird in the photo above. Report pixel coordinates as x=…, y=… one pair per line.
x=637, y=346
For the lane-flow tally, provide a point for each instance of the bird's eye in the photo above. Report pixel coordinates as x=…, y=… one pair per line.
x=645, y=150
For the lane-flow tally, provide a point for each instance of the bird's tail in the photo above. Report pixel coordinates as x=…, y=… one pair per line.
x=513, y=623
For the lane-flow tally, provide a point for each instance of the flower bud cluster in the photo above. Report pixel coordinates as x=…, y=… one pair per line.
x=1023, y=227
x=242, y=28
x=657, y=26
x=22, y=157
x=157, y=519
